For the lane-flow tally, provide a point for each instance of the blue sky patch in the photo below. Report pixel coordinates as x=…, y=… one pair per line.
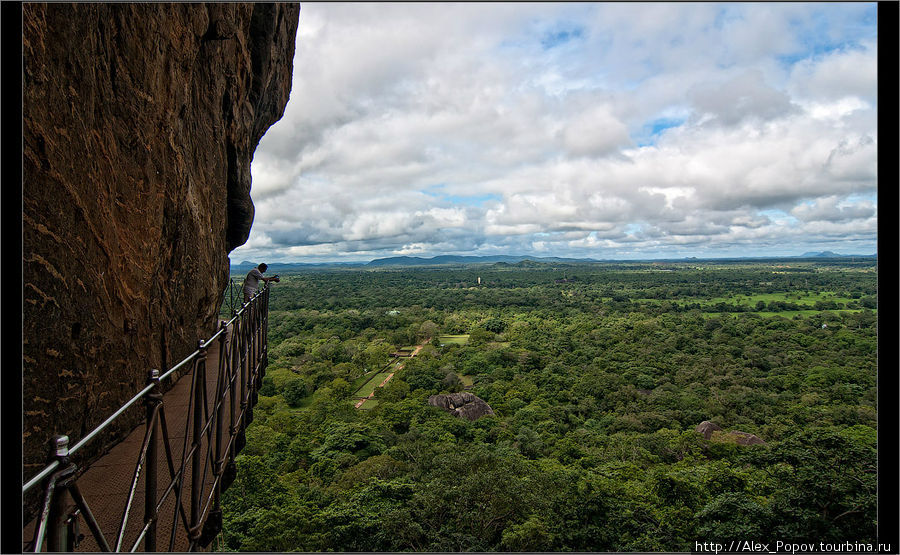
x=815, y=51
x=817, y=36
x=559, y=37
x=863, y=197
x=436, y=191
x=659, y=125
x=651, y=130
x=777, y=215
x=633, y=228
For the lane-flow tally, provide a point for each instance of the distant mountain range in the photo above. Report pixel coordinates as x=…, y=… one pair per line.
x=829, y=254
x=452, y=259
x=275, y=267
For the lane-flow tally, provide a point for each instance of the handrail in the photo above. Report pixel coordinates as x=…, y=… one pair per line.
x=232, y=293
x=49, y=468
x=242, y=362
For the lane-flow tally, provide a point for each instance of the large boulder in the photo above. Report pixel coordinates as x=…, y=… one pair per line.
x=713, y=432
x=745, y=438
x=139, y=125
x=706, y=428
x=462, y=404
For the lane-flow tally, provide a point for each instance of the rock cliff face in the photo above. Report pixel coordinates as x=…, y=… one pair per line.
x=140, y=123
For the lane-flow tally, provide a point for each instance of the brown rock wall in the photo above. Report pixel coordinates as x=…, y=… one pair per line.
x=139, y=126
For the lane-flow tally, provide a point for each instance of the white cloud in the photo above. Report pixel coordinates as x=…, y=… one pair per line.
x=833, y=209
x=468, y=128
x=839, y=75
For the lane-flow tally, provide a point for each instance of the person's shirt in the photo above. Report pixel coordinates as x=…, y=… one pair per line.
x=252, y=279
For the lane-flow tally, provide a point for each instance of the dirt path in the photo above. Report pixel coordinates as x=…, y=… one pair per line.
x=399, y=366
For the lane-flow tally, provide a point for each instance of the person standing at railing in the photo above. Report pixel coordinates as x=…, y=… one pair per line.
x=251, y=282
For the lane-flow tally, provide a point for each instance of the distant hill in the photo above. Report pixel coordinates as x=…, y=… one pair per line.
x=454, y=259
x=829, y=254
x=275, y=267
x=504, y=260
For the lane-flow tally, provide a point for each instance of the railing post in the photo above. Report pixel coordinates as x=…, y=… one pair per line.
x=251, y=356
x=197, y=460
x=153, y=400
x=220, y=416
x=56, y=540
x=237, y=428
x=254, y=357
x=228, y=473
x=265, y=336
x=245, y=363
x=251, y=366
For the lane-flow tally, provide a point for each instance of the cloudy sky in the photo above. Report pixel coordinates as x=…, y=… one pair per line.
x=608, y=131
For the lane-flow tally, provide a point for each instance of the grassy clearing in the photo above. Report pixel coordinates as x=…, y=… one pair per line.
x=804, y=298
x=453, y=339
x=361, y=381
x=466, y=380
x=808, y=298
x=785, y=313
x=370, y=385
x=369, y=404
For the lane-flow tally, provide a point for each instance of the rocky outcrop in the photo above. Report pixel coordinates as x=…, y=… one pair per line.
x=746, y=438
x=713, y=432
x=139, y=127
x=707, y=428
x=463, y=404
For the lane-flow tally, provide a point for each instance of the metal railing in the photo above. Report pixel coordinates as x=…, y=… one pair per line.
x=233, y=296
x=243, y=357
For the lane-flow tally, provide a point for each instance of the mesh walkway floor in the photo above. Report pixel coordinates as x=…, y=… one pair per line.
x=106, y=484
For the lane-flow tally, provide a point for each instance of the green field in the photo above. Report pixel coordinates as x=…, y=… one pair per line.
x=453, y=339
x=361, y=381
x=370, y=385
x=806, y=298
x=800, y=298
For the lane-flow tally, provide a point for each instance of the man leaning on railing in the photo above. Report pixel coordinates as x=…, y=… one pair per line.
x=251, y=282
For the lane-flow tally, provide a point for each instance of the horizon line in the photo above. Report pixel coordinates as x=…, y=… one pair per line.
x=569, y=258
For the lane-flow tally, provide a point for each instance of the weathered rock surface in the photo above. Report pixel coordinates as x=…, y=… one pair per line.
x=712, y=431
x=462, y=404
x=707, y=428
x=746, y=438
x=139, y=126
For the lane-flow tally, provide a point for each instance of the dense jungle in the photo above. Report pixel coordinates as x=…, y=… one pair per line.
x=598, y=376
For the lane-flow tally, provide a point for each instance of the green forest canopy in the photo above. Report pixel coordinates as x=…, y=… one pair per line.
x=598, y=375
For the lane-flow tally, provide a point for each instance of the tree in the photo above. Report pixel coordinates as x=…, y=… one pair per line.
x=827, y=485
x=495, y=325
x=295, y=391
x=733, y=516
x=427, y=330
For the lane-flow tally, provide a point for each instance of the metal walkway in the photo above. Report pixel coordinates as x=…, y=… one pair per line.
x=188, y=460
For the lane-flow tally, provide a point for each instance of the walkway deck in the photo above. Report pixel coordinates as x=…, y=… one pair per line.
x=105, y=485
